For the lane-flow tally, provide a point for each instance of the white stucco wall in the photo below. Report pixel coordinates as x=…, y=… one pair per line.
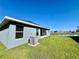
x=26, y=35
x=48, y=32
x=4, y=36
x=7, y=36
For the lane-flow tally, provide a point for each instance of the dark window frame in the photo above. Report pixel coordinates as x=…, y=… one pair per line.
x=42, y=32
x=19, y=31
x=37, y=32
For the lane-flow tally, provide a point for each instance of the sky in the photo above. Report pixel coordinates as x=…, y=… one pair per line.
x=54, y=14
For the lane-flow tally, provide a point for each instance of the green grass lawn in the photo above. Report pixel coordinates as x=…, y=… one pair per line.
x=54, y=47
x=61, y=33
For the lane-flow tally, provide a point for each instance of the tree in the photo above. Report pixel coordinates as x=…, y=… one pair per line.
x=55, y=31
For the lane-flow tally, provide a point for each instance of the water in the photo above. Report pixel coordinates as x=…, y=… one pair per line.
x=75, y=38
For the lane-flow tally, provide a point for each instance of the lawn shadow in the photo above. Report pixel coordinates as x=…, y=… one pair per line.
x=75, y=38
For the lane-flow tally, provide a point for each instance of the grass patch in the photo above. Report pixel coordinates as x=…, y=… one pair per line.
x=63, y=33
x=54, y=47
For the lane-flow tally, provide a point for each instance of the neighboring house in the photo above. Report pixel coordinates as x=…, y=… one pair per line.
x=14, y=32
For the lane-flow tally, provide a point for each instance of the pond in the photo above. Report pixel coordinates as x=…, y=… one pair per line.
x=76, y=38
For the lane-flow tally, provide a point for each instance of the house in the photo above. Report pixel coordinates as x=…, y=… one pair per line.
x=14, y=32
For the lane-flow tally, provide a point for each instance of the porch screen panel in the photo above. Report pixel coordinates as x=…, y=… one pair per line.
x=42, y=32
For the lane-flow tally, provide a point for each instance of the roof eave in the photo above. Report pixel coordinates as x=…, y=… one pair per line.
x=6, y=19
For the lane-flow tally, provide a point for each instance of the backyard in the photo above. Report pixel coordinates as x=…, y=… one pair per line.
x=64, y=33
x=54, y=47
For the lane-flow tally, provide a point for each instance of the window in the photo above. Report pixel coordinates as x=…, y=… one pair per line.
x=37, y=32
x=42, y=32
x=19, y=31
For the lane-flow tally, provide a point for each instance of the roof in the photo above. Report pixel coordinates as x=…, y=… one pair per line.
x=6, y=20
